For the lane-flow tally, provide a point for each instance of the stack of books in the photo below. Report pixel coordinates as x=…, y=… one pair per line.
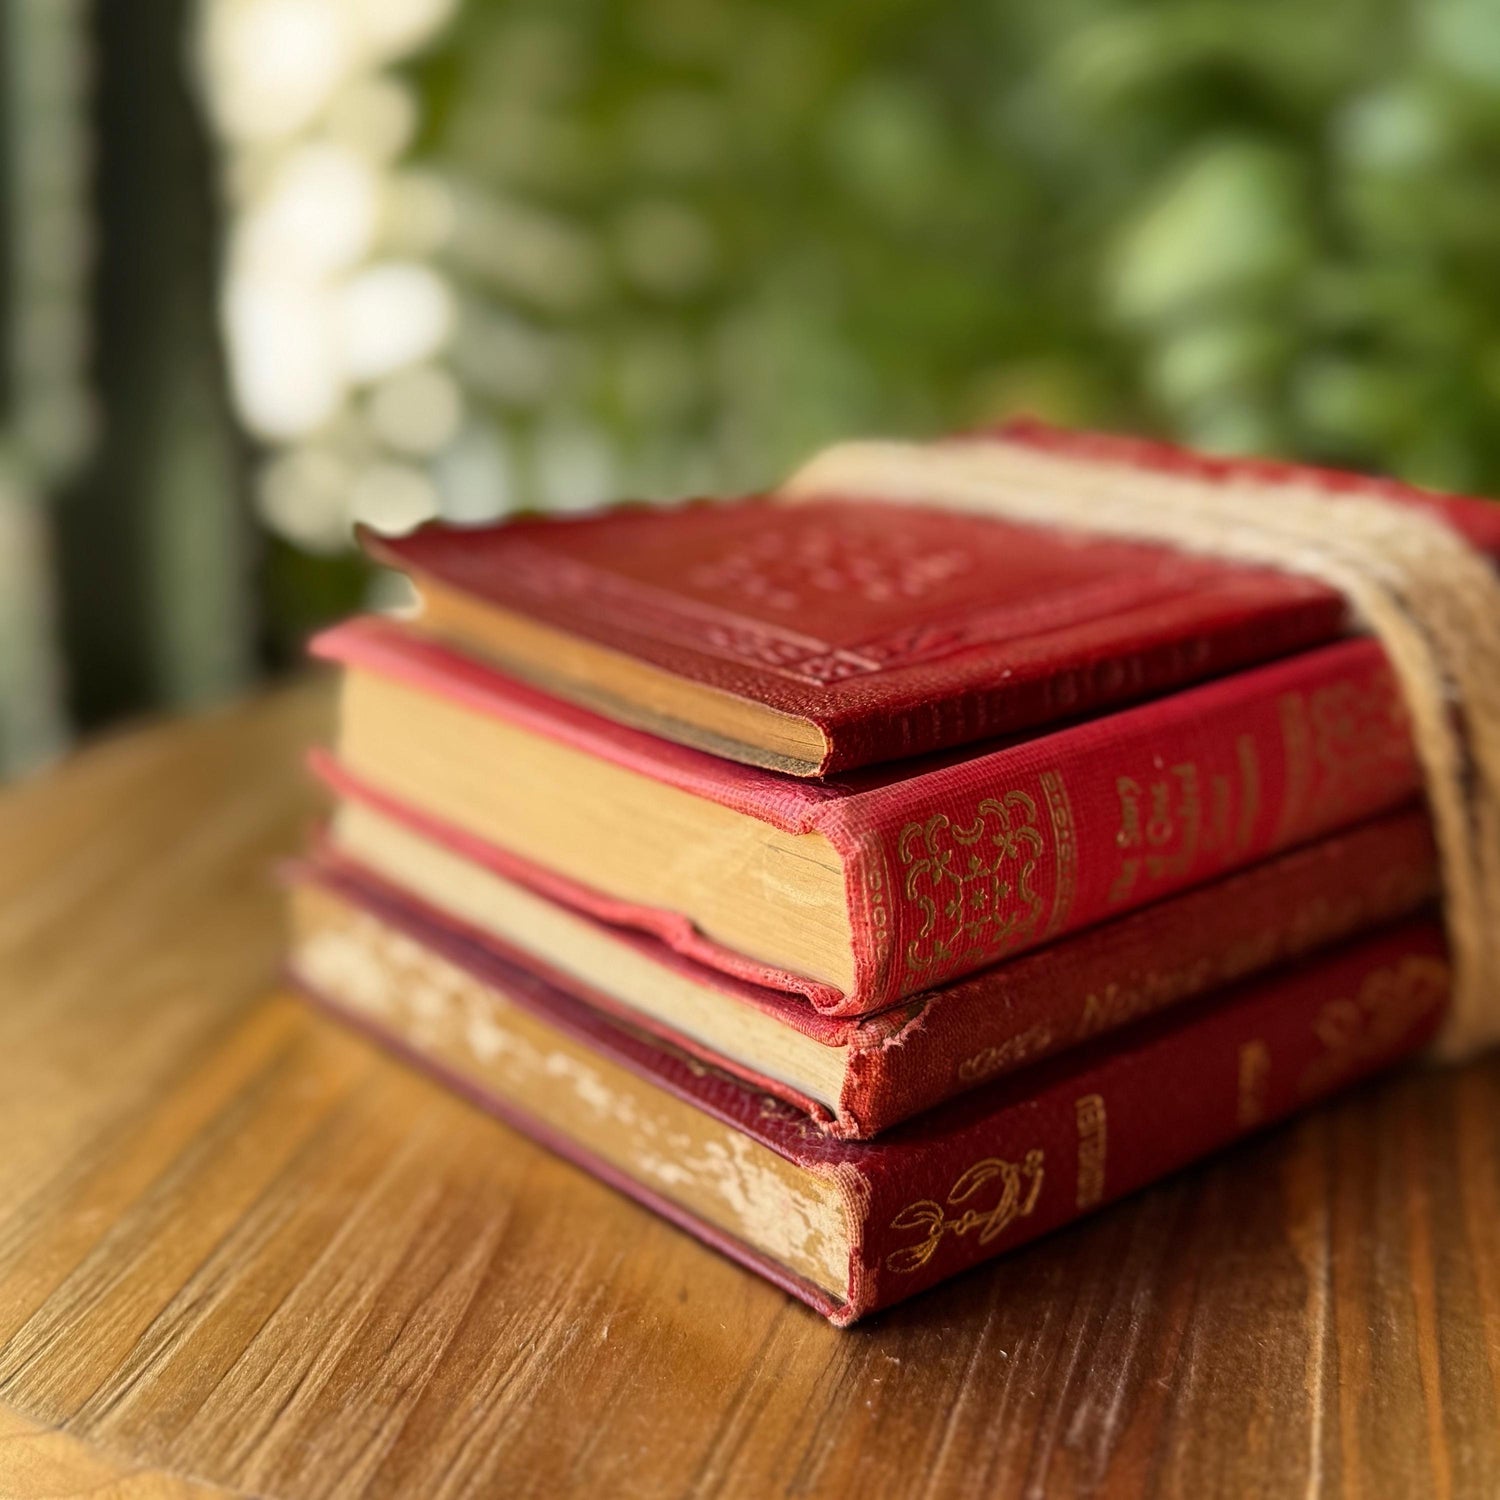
x=869, y=889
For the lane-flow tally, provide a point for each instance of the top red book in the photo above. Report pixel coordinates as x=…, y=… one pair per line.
x=822, y=636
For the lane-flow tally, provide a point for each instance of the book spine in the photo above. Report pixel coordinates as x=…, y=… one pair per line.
x=904, y=1061
x=1074, y=1138
x=1168, y=653
x=991, y=856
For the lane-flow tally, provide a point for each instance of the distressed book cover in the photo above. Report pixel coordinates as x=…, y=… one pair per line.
x=944, y=1042
x=968, y=1181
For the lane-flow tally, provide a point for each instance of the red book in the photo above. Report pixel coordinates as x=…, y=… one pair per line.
x=852, y=1227
x=859, y=892
x=819, y=637
x=858, y=1077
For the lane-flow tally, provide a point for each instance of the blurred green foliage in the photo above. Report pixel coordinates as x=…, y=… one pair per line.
x=699, y=238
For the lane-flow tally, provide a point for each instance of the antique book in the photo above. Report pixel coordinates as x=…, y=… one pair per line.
x=856, y=1077
x=860, y=891
x=812, y=638
x=851, y=1227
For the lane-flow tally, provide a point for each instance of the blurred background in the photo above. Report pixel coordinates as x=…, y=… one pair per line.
x=268, y=267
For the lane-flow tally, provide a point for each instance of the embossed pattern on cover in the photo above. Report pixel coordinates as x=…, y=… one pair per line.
x=898, y=630
x=894, y=630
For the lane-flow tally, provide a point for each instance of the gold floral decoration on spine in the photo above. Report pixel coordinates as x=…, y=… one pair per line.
x=973, y=883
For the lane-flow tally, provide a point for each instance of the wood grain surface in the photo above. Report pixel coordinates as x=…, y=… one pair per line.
x=242, y=1251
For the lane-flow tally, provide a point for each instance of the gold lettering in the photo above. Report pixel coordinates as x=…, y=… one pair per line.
x=1118, y=1002
x=1161, y=830
x=1129, y=793
x=1297, y=756
x=1255, y=1067
x=1249, y=763
x=1005, y=1055
x=1093, y=1148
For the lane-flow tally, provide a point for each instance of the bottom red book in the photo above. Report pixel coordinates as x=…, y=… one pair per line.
x=852, y=1227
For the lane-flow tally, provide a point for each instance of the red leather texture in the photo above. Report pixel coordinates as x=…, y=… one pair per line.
x=901, y=630
x=956, y=861
x=1007, y=1164
x=881, y=624
x=1011, y=1161
x=944, y=1042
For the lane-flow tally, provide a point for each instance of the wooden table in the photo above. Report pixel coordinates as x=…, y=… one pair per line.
x=243, y=1251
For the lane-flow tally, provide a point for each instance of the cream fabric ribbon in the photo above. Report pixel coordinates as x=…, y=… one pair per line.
x=1428, y=596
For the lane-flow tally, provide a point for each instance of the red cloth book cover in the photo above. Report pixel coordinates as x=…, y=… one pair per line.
x=945, y=1042
x=979, y=1176
x=897, y=630
x=956, y=861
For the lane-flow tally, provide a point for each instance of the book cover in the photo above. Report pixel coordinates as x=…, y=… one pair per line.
x=897, y=1063
x=852, y=1227
x=954, y=862
x=859, y=631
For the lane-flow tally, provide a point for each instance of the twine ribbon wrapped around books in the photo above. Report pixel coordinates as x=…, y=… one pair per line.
x=1428, y=596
